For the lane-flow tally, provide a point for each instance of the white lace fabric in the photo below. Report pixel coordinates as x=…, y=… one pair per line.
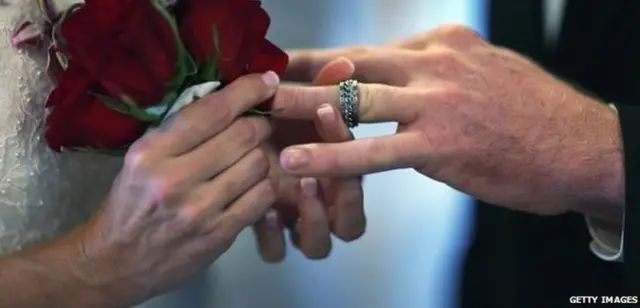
x=42, y=193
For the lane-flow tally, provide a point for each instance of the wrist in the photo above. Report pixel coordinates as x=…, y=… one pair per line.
x=93, y=281
x=51, y=275
x=604, y=196
x=98, y=268
x=614, y=188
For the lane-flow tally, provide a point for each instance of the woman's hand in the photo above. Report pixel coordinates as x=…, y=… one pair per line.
x=186, y=191
x=480, y=118
x=312, y=209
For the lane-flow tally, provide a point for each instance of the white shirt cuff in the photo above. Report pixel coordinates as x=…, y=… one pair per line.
x=608, y=239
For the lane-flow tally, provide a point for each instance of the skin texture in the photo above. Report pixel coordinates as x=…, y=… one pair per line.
x=185, y=192
x=312, y=209
x=477, y=117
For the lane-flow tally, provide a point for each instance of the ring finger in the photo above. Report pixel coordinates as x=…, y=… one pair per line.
x=214, y=195
x=346, y=210
x=312, y=233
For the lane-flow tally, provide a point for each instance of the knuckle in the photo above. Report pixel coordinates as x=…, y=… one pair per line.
x=231, y=184
x=360, y=50
x=266, y=193
x=224, y=113
x=262, y=127
x=164, y=189
x=246, y=132
x=139, y=157
x=451, y=93
x=456, y=31
x=260, y=162
x=189, y=217
x=219, y=107
x=440, y=55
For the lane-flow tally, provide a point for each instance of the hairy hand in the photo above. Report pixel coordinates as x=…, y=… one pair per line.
x=480, y=118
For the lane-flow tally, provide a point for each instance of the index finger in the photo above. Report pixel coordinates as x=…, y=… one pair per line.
x=357, y=157
x=377, y=102
x=203, y=119
x=372, y=64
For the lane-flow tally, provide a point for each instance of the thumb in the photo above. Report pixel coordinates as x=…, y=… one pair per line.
x=334, y=72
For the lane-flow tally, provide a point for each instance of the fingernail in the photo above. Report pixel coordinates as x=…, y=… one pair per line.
x=346, y=60
x=309, y=187
x=272, y=220
x=271, y=79
x=294, y=158
x=327, y=114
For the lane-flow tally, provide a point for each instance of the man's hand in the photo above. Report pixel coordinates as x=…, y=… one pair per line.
x=480, y=118
x=312, y=208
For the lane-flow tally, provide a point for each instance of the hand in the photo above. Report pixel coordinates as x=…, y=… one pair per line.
x=331, y=205
x=480, y=118
x=185, y=192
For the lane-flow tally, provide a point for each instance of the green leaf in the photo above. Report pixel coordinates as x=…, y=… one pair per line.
x=128, y=107
x=257, y=112
x=141, y=114
x=165, y=104
x=210, y=71
x=121, y=151
x=113, y=103
x=185, y=66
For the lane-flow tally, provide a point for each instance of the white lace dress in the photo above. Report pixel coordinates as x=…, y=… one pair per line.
x=43, y=194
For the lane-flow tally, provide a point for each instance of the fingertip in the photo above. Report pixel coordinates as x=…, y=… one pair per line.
x=294, y=158
x=271, y=79
x=319, y=254
x=309, y=187
x=272, y=220
x=339, y=69
x=326, y=114
x=347, y=65
x=270, y=238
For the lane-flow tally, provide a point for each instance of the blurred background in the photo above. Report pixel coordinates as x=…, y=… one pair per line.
x=418, y=229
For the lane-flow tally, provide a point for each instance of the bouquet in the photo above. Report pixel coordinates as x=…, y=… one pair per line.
x=122, y=66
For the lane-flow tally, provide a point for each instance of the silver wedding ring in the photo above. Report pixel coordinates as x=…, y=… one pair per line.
x=349, y=98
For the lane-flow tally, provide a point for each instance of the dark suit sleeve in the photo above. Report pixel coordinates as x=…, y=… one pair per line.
x=630, y=125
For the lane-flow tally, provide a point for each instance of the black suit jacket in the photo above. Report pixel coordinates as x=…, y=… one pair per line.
x=522, y=260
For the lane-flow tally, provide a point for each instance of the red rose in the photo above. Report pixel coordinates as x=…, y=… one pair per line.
x=128, y=46
x=124, y=50
x=229, y=34
x=128, y=60
x=79, y=120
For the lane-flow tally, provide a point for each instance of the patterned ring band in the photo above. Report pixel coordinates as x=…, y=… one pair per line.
x=349, y=98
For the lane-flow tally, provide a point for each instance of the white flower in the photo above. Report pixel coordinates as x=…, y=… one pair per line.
x=189, y=96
